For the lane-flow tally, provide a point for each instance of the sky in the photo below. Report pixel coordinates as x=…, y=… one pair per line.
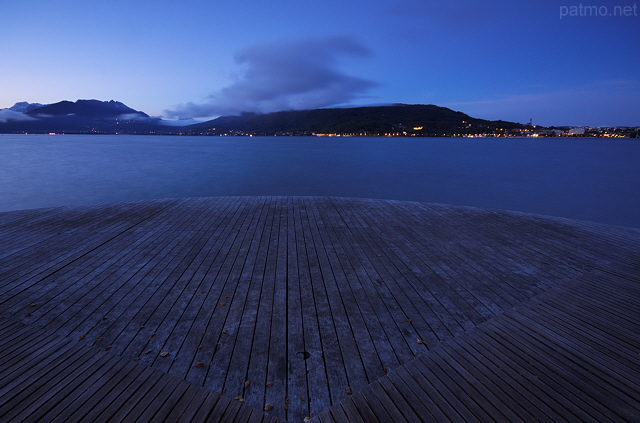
x=555, y=62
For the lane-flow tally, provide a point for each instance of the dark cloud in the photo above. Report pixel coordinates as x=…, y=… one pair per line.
x=285, y=76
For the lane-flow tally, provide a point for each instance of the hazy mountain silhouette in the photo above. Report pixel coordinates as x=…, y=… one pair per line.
x=24, y=107
x=400, y=119
x=86, y=108
x=81, y=116
x=110, y=117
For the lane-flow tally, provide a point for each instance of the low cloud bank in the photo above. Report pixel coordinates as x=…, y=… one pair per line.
x=7, y=115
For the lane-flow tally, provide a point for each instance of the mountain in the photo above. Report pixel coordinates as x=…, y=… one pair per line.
x=398, y=119
x=23, y=106
x=88, y=109
x=110, y=117
x=81, y=116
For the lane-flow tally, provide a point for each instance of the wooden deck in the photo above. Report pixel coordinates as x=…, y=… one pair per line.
x=342, y=309
x=570, y=354
x=52, y=378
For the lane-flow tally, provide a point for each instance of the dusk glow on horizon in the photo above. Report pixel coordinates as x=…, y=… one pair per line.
x=555, y=62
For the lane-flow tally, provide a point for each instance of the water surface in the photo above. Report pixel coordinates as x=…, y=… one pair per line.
x=590, y=179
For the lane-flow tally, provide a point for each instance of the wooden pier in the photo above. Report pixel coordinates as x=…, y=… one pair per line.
x=266, y=309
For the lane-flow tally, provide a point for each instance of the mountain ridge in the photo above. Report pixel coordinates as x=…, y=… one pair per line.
x=398, y=120
x=80, y=116
x=87, y=108
x=24, y=107
x=111, y=117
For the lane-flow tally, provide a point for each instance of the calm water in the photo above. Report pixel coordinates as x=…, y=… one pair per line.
x=588, y=179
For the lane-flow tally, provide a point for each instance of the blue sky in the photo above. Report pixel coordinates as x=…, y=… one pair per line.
x=511, y=60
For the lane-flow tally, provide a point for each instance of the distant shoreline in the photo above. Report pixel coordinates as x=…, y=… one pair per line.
x=399, y=120
x=606, y=135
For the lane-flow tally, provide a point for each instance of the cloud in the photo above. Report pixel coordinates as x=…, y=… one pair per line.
x=135, y=116
x=7, y=115
x=286, y=76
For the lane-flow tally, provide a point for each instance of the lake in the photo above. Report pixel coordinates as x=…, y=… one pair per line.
x=588, y=179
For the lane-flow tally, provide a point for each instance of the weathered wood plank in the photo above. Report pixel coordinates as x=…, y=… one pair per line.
x=297, y=384
x=337, y=313
x=413, y=391
x=503, y=380
x=322, y=297
x=277, y=365
x=39, y=386
x=331, y=373
x=263, y=292
x=206, y=406
x=243, y=312
x=192, y=327
x=574, y=358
